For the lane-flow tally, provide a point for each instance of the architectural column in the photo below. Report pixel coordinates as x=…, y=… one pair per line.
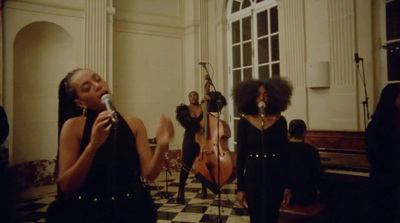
x=98, y=37
x=342, y=42
x=203, y=34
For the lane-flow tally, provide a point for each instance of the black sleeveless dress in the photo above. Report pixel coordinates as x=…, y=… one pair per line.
x=112, y=191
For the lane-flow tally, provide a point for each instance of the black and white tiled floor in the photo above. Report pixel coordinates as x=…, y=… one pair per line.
x=32, y=204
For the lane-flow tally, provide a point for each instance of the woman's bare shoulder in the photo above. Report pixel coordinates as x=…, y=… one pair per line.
x=134, y=122
x=75, y=124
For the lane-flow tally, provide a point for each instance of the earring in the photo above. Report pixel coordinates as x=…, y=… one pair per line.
x=84, y=112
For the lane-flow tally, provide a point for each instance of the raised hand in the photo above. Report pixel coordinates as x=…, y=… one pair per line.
x=164, y=132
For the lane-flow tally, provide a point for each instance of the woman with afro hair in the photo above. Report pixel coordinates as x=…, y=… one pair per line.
x=263, y=181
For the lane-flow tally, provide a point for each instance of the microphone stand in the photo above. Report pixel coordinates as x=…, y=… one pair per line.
x=365, y=102
x=166, y=194
x=263, y=167
x=113, y=166
x=208, y=79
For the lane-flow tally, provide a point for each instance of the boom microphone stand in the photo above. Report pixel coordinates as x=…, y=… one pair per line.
x=261, y=105
x=357, y=59
x=219, y=102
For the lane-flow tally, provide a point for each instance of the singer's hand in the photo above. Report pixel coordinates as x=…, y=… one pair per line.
x=101, y=129
x=165, y=132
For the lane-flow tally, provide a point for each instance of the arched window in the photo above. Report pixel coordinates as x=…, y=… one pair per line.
x=253, y=45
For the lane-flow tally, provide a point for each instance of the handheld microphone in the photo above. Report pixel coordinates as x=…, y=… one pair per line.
x=107, y=101
x=261, y=105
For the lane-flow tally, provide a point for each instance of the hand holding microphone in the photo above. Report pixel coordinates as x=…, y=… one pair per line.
x=107, y=101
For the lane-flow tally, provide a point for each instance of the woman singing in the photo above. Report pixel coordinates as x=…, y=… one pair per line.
x=100, y=163
x=262, y=175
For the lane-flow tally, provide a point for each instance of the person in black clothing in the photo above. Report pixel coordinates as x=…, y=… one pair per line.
x=4, y=170
x=189, y=117
x=4, y=127
x=101, y=162
x=305, y=165
x=263, y=180
x=383, y=150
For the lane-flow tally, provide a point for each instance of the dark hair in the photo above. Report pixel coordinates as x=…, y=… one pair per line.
x=66, y=106
x=66, y=96
x=217, y=101
x=385, y=109
x=279, y=92
x=297, y=128
x=193, y=92
x=244, y=96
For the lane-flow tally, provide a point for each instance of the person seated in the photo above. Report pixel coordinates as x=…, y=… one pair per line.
x=305, y=165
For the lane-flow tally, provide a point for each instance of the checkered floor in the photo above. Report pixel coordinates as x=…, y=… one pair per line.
x=32, y=204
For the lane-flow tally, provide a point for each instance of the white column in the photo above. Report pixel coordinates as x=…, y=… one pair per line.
x=98, y=36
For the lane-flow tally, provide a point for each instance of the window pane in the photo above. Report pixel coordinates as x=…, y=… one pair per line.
x=263, y=56
x=235, y=128
x=235, y=6
x=275, y=48
x=246, y=28
x=247, y=54
x=393, y=20
x=236, y=77
x=247, y=74
x=393, y=58
x=275, y=70
x=263, y=72
x=262, y=23
x=236, y=56
x=274, y=19
x=236, y=32
x=246, y=3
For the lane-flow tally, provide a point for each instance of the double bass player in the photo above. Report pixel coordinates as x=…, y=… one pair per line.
x=190, y=117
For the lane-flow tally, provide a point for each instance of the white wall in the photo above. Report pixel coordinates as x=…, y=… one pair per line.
x=41, y=44
x=315, y=31
x=41, y=51
x=149, y=61
x=156, y=50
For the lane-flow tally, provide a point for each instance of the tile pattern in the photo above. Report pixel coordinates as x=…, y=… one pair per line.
x=32, y=204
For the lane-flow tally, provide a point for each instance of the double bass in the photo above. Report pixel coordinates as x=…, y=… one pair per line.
x=214, y=162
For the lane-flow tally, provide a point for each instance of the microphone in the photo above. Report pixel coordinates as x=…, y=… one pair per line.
x=203, y=63
x=106, y=100
x=357, y=58
x=261, y=105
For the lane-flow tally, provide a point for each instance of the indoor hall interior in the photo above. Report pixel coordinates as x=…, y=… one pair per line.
x=337, y=55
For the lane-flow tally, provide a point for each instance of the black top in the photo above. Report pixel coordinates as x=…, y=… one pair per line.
x=4, y=127
x=249, y=143
x=115, y=168
x=306, y=172
x=191, y=124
